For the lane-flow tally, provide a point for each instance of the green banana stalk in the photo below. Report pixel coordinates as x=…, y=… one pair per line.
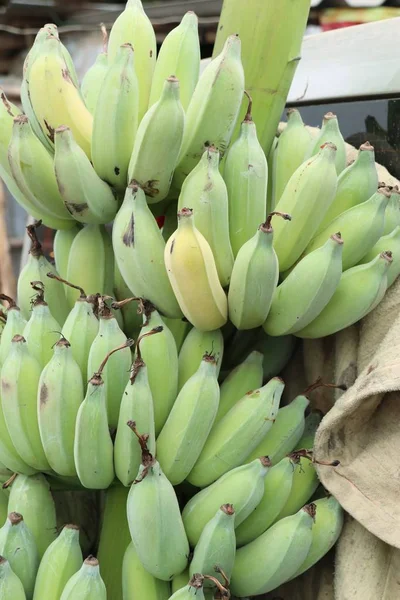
x=196, y=344
x=14, y=325
x=392, y=213
x=93, y=79
x=62, y=559
x=10, y=584
x=62, y=243
x=42, y=330
x=305, y=482
x=390, y=242
x=86, y=584
x=138, y=583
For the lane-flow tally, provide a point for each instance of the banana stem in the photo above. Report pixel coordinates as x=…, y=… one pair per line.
x=121, y=303
x=222, y=591
x=72, y=285
x=197, y=581
x=3, y=316
x=98, y=373
x=105, y=37
x=36, y=246
x=148, y=459
x=38, y=298
x=10, y=301
x=217, y=568
x=319, y=383
x=267, y=227
x=311, y=509
x=9, y=481
x=139, y=362
x=247, y=117
x=298, y=454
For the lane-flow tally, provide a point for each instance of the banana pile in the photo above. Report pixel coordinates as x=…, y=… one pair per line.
x=144, y=365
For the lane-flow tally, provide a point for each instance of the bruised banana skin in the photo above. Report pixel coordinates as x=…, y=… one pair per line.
x=138, y=583
x=391, y=243
x=86, y=584
x=330, y=132
x=10, y=584
x=196, y=344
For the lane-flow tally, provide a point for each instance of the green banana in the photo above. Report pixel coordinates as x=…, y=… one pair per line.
x=246, y=178
x=129, y=309
x=305, y=482
x=390, y=242
x=254, y=278
x=62, y=243
x=18, y=546
x=204, y=190
x=179, y=55
x=357, y=183
x=42, y=330
x=93, y=79
x=343, y=310
x=139, y=252
x=307, y=289
x=311, y=424
x=160, y=541
x=330, y=132
x=392, y=213
x=115, y=119
x=286, y=544
x=180, y=581
x=240, y=431
x=10, y=584
x=62, y=559
x=196, y=344
x=60, y=393
x=270, y=192
x=189, y=423
x=289, y=153
x=192, y=590
x=307, y=196
x=243, y=486
x=86, y=584
x=4, y=499
x=157, y=144
x=179, y=329
x=137, y=583
x=14, y=325
x=213, y=108
x=277, y=352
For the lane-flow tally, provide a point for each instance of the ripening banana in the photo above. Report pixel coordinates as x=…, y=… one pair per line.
x=93, y=79
x=18, y=546
x=62, y=559
x=359, y=291
x=243, y=486
x=305, y=482
x=275, y=556
x=10, y=584
x=32, y=498
x=216, y=546
x=139, y=251
x=55, y=98
x=392, y=213
x=246, y=178
x=204, y=190
x=357, y=183
x=278, y=484
x=360, y=227
x=307, y=196
x=60, y=393
x=307, y=289
x=289, y=153
x=138, y=583
x=62, y=243
x=193, y=275
x=213, y=108
x=155, y=521
x=238, y=433
x=87, y=197
x=254, y=278
x=115, y=119
x=157, y=144
x=189, y=423
x=86, y=584
x=19, y=383
x=196, y=344
x=14, y=325
x=180, y=56
x=390, y=242
x=330, y=132
x=42, y=330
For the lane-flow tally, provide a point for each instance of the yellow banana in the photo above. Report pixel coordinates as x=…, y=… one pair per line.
x=330, y=132
x=196, y=344
x=138, y=583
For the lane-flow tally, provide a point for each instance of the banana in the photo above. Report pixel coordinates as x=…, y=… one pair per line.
x=8, y=453
x=14, y=325
x=216, y=546
x=116, y=370
x=179, y=55
x=192, y=590
x=157, y=144
x=343, y=310
x=86, y=584
x=196, y=344
x=204, y=190
x=139, y=251
x=270, y=193
x=134, y=27
x=391, y=242
x=60, y=393
x=193, y=275
x=179, y=329
x=87, y=197
x=130, y=312
x=31, y=497
x=18, y=546
x=19, y=383
x=305, y=482
x=325, y=532
x=62, y=243
x=289, y=153
x=236, y=436
x=286, y=544
x=137, y=583
x=189, y=423
x=180, y=581
x=93, y=79
x=62, y=559
x=213, y=108
x=242, y=379
x=357, y=183
x=10, y=584
x=330, y=132
x=246, y=178
x=36, y=269
x=254, y=278
x=115, y=119
x=306, y=197
x=392, y=213
x=42, y=330
x=278, y=484
x=55, y=98
x=160, y=541
x=4, y=498
x=243, y=487
x=307, y=289
x=311, y=424
x=360, y=227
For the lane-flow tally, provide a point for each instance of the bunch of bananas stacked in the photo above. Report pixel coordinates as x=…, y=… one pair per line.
x=214, y=477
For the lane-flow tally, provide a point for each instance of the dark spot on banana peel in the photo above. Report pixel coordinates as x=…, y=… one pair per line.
x=172, y=246
x=75, y=209
x=5, y=385
x=44, y=394
x=117, y=170
x=67, y=76
x=150, y=189
x=151, y=53
x=50, y=130
x=129, y=236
